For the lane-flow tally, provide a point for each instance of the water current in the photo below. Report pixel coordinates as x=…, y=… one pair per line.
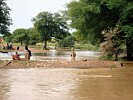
x=66, y=84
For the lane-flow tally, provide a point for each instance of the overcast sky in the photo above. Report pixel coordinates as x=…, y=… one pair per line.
x=22, y=11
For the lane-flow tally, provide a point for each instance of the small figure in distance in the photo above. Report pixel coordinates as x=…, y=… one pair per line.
x=10, y=45
x=73, y=54
x=16, y=56
x=27, y=53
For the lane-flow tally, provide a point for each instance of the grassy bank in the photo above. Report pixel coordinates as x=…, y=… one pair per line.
x=86, y=47
x=51, y=45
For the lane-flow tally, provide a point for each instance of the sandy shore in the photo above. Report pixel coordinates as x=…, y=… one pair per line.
x=93, y=63
x=59, y=64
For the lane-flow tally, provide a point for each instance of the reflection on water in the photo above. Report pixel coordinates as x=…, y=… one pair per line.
x=53, y=54
x=66, y=84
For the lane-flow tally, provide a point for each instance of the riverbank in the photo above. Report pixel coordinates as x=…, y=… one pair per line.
x=89, y=63
x=21, y=49
x=50, y=46
x=59, y=64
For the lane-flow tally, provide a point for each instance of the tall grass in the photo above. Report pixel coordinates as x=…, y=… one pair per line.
x=87, y=47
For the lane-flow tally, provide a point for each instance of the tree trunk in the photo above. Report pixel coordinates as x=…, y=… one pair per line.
x=45, y=45
x=129, y=49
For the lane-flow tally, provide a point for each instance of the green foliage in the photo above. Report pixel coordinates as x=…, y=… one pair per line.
x=5, y=20
x=50, y=25
x=21, y=36
x=126, y=25
x=128, y=30
x=43, y=23
x=109, y=56
x=33, y=36
x=8, y=38
x=86, y=47
x=91, y=17
x=66, y=42
x=25, y=36
x=113, y=43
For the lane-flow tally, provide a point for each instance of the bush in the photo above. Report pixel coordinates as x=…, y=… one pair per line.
x=112, y=46
x=87, y=47
x=107, y=57
x=8, y=38
x=66, y=42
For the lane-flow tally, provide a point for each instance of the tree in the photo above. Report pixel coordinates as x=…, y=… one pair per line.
x=91, y=17
x=50, y=25
x=8, y=38
x=67, y=42
x=126, y=24
x=128, y=37
x=87, y=18
x=25, y=36
x=5, y=20
x=112, y=46
x=20, y=35
x=33, y=36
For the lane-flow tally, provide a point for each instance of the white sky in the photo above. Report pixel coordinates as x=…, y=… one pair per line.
x=22, y=11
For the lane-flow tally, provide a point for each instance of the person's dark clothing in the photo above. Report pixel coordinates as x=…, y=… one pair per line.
x=29, y=52
x=26, y=47
x=7, y=46
x=17, y=48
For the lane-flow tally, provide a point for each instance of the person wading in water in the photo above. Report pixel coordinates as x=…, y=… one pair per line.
x=73, y=55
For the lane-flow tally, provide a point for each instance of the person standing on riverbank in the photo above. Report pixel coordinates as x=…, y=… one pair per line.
x=27, y=53
x=10, y=45
x=73, y=55
x=7, y=46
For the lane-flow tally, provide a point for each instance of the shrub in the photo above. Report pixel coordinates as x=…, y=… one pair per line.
x=112, y=45
x=66, y=42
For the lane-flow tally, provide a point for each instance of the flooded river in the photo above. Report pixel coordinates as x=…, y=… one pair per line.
x=53, y=54
x=66, y=84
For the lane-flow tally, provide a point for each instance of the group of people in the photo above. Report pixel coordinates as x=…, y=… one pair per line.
x=8, y=46
x=27, y=54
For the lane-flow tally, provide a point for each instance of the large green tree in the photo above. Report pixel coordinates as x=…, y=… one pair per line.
x=5, y=20
x=126, y=24
x=8, y=38
x=50, y=25
x=20, y=36
x=91, y=17
x=25, y=36
x=33, y=36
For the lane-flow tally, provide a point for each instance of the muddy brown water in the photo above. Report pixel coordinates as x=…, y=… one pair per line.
x=53, y=54
x=66, y=84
